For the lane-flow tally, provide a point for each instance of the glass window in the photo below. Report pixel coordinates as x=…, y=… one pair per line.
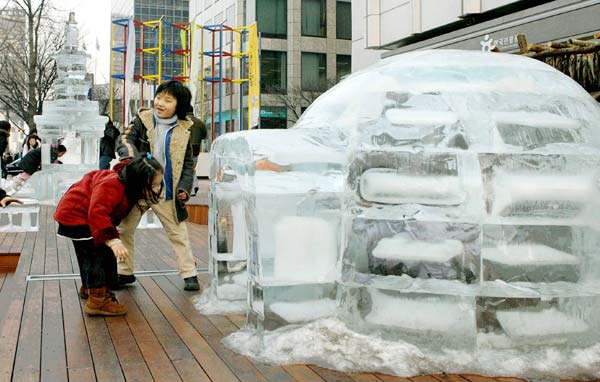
x=273, y=71
x=314, y=71
x=231, y=16
x=273, y=117
x=343, y=64
x=343, y=20
x=314, y=19
x=271, y=16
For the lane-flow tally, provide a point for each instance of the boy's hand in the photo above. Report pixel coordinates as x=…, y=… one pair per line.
x=182, y=195
x=8, y=200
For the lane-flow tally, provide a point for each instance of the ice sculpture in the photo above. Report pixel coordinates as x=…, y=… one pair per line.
x=445, y=198
x=20, y=217
x=69, y=116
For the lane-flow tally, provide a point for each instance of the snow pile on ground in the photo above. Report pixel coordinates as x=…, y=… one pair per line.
x=329, y=343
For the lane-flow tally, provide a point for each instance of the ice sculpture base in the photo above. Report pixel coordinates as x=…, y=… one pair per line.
x=149, y=220
x=274, y=306
x=563, y=314
x=20, y=217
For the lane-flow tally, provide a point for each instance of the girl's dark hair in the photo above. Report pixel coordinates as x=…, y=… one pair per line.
x=181, y=93
x=30, y=137
x=5, y=125
x=137, y=176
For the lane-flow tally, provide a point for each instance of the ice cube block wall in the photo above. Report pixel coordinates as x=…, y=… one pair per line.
x=459, y=191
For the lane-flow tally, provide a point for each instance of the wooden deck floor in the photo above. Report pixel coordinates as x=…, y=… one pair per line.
x=45, y=336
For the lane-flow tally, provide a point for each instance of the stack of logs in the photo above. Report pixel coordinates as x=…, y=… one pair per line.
x=578, y=59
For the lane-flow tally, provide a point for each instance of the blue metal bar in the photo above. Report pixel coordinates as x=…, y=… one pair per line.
x=121, y=49
x=122, y=22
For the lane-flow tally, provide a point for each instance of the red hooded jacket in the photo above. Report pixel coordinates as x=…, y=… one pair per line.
x=98, y=200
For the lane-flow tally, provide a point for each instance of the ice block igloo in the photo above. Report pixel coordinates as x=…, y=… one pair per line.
x=470, y=182
x=69, y=116
x=275, y=197
x=471, y=202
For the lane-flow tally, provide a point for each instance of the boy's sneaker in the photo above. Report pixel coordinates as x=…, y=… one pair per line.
x=191, y=283
x=125, y=279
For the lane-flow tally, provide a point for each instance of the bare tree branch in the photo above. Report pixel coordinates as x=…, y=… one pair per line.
x=296, y=98
x=27, y=67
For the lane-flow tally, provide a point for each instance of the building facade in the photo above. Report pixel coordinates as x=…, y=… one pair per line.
x=388, y=27
x=305, y=47
x=171, y=12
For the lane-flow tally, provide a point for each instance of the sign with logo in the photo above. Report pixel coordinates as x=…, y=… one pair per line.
x=502, y=43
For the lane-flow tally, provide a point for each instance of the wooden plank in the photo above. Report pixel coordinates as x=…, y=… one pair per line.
x=104, y=356
x=8, y=262
x=477, y=378
x=302, y=373
x=449, y=378
x=17, y=245
x=423, y=378
x=28, y=354
x=242, y=367
x=132, y=363
x=79, y=358
x=238, y=320
x=245, y=369
x=13, y=299
x=54, y=359
x=198, y=214
x=391, y=378
x=331, y=375
x=178, y=353
x=7, y=241
x=364, y=377
x=154, y=355
x=213, y=365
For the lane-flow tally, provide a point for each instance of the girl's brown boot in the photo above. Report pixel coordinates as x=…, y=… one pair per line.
x=100, y=303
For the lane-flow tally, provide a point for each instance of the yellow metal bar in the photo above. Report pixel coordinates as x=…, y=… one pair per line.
x=150, y=50
x=152, y=24
x=160, y=32
x=240, y=80
x=184, y=47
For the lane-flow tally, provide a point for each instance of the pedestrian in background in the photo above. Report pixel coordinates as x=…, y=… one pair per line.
x=4, y=135
x=198, y=134
x=108, y=144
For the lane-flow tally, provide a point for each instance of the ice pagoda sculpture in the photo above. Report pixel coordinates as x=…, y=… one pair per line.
x=443, y=198
x=69, y=117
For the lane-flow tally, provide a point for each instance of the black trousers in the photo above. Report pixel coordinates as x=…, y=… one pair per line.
x=97, y=265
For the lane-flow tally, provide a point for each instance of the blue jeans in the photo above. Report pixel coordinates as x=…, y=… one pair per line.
x=105, y=162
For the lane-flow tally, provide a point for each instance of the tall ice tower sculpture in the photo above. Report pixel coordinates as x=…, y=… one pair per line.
x=70, y=118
